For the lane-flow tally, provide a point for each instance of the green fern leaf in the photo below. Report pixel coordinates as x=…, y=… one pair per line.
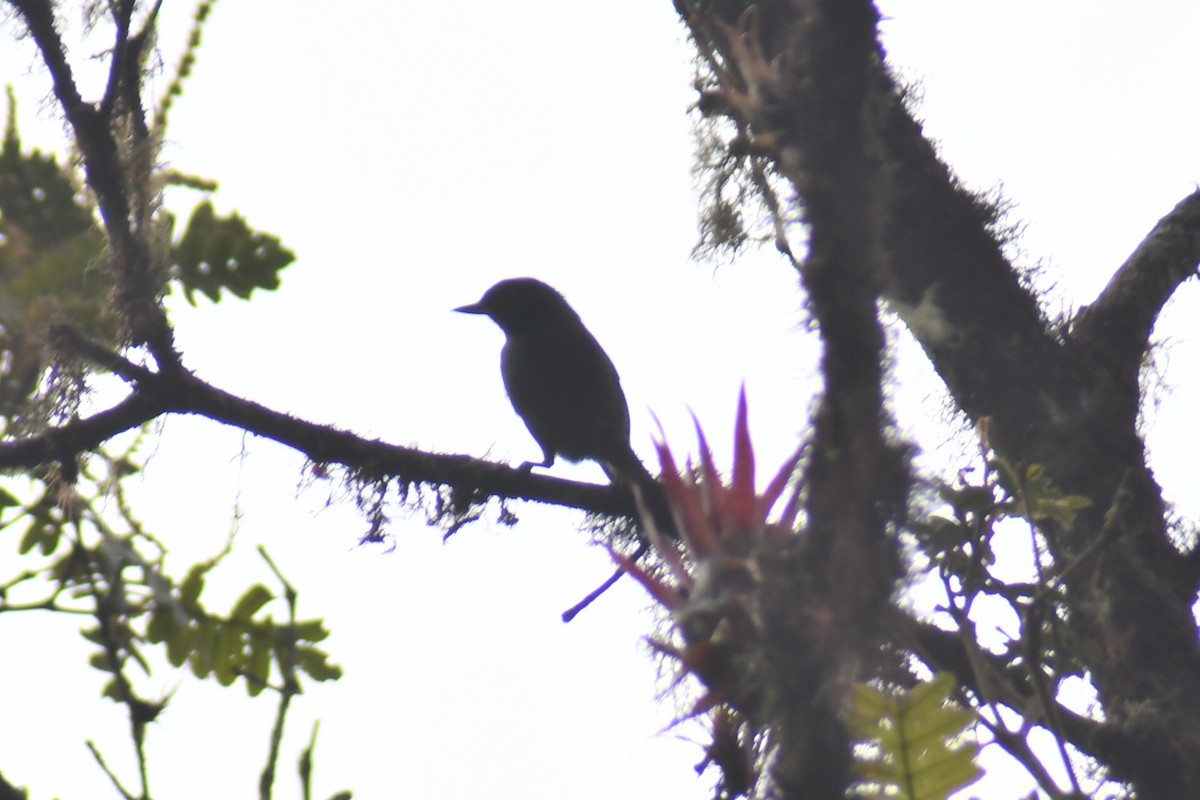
x=912, y=744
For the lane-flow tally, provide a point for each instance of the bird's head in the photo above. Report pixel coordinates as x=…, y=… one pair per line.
x=518, y=305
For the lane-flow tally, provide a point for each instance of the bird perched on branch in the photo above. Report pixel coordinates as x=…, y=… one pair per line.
x=559, y=379
x=565, y=388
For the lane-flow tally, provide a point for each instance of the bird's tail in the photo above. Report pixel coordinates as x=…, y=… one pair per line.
x=630, y=470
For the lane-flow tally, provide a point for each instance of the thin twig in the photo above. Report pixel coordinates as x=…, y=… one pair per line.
x=122, y=12
x=1016, y=746
x=306, y=762
x=68, y=338
x=140, y=712
x=291, y=686
x=116, y=782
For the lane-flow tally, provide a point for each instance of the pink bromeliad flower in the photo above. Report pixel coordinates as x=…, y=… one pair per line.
x=713, y=578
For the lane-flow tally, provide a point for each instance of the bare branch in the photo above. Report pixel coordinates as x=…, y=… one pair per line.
x=71, y=341
x=1108, y=743
x=156, y=394
x=116, y=782
x=118, y=71
x=285, y=655
x=79, y=436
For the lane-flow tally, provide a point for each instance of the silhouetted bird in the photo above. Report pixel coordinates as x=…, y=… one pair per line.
x=559, y=379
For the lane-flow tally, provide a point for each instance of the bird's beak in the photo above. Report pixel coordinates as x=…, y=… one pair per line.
x=474, y=308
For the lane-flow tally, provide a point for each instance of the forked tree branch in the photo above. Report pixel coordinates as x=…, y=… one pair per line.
x=138, y=277
x=1119, y=321
x=1065, y=401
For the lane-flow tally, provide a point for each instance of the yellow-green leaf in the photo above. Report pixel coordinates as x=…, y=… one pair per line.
x=248, y=605
x=916, y=743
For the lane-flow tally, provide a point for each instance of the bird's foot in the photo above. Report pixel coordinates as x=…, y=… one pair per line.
x=529, y=465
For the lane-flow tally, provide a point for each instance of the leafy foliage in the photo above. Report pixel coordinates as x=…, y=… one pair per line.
x=913, y=744
x=53, y=255
x=218, y=253
x=80, y=549
x=119, y=577
x=73, y=558
x=48, y=250
x=989, y=516
x=79, y=557
x=242, y=644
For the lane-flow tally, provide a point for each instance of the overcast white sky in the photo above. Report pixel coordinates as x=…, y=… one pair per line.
x=414, y=153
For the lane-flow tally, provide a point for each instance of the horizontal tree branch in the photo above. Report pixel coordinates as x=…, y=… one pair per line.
x=181, y=392
x=65, y=442
x=943, y=650
x=329, y=445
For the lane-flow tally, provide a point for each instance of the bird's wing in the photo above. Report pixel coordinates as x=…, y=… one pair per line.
x=568, y=393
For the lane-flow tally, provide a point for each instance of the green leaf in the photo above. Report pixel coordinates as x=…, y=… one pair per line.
x=315, y=663
x=258, y=665
x=43, y=533
x=1038, y=498
x=311, y=630
x=179, y=645
x=192, y=586
x=51, y=538
x=249, y=603
x=47, y=264
x=916, y=746
x=159, y=626
x=227, y=655
x=33, y=536
x=37, y=196
x=1062, y=509
x=100, y=661
x=218, y=253
x=1046, y=501
x=203, y=649
x=112, y=690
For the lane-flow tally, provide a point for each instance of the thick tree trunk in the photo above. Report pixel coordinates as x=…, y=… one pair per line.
x=1065, y=399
